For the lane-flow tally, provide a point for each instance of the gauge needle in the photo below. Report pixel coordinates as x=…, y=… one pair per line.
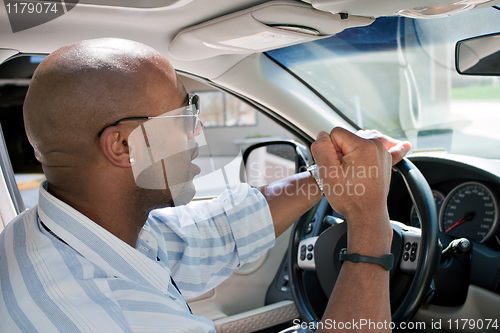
x=468, y=216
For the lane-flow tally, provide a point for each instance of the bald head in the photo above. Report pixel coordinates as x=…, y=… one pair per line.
x=79, y=89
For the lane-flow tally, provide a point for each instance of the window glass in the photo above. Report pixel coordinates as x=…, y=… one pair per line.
x=212, y=104
x=398, y=76
x=221, y=109
x=230, y=125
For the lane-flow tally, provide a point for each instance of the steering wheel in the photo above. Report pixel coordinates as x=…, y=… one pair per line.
x=416, y=253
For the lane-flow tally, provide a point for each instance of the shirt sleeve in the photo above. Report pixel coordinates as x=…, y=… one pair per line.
x=206, y=241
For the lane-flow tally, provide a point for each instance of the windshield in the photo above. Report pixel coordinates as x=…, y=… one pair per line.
x=398, y=76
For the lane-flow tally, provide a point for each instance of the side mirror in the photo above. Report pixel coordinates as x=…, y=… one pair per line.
x=478, y=55
x=269, y=161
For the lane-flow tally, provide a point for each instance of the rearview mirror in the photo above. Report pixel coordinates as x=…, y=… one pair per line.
x=478, y=55
x=273, y=160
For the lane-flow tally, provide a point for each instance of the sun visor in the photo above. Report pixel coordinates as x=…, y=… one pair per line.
x=410, y=8
x=262, y=28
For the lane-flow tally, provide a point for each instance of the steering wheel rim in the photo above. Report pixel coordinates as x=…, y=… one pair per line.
x=429, y=252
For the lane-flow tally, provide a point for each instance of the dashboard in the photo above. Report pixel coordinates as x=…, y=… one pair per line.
x=466, y=192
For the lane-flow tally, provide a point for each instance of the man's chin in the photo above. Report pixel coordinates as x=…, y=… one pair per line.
x=194, y=169
x=185, y=194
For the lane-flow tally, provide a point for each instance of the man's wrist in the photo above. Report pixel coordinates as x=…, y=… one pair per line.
x=371, y=236
x=386, y=260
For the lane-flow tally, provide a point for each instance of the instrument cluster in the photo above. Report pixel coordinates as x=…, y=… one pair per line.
x=469, y=210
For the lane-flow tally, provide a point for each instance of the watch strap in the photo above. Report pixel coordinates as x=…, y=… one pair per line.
x=386, y=261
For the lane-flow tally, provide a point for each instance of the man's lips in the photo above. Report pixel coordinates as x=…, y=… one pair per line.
x=196, y=169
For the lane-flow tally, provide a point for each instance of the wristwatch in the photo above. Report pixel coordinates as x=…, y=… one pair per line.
x=313, y=169
x=386, y=261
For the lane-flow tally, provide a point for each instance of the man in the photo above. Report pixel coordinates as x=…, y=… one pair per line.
x=91, y=257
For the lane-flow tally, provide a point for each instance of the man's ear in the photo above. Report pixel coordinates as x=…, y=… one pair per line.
x=115, y=148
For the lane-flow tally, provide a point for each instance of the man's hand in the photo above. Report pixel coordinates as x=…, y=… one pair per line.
x=356, y=173
x=398, y=149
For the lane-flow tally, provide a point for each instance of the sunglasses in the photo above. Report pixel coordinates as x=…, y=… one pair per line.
x=191, y=113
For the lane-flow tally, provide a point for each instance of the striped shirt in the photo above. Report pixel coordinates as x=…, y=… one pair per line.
x=61, y=272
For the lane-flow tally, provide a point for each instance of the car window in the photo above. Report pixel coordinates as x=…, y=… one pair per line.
x=398, y=76
x=15, y=75
x=230, y=126
x=223, y=110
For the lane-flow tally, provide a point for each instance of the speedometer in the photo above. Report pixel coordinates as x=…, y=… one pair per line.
x=470, y=210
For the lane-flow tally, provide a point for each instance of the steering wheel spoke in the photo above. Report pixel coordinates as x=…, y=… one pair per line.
x=412, y=238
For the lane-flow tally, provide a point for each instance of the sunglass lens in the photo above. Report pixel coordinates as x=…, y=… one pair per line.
x=195, y=101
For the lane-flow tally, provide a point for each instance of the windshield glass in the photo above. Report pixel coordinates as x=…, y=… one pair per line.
x=398, y=76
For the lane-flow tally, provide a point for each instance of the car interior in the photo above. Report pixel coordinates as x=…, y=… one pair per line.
x=270, y=76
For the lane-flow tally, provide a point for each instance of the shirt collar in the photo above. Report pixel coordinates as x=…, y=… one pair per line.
x=97, y=244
